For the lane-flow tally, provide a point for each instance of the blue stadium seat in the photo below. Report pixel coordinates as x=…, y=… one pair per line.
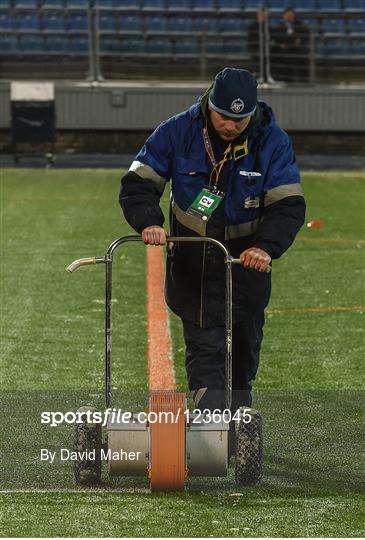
x=31, y=44
x=356, y=26
x=354, y=5
x=255, y=4
x=153, y=4
x=107, y=22
x=234, y=47
x=130, y=23
x=187, y=47
x=159, y=46
x=79, y=45
x=6, y=21
x=357, y=47
x=5, y=4
x=214, y=47
x=33, y=4
x=335, y=47
x=333, y=26
x=79, y=4
x=133, y=47
x=77, y=22
x=57, y=4
x=204, y=5
x=276, y=5
x=232, y=25
x=176, y=5
x=329, y=5
x=53, y=22
x=209, y=24
x=181, y=24
x=8, y=44
x=104, y=4
x=109, y=44
x=125, y=4
x=26, y=21
x=226, y=5
x=304, y=5
x=156, y=23
x=55, y=44
x=312, y=24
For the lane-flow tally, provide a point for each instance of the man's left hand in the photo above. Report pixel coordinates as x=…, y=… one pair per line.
x=256, y=259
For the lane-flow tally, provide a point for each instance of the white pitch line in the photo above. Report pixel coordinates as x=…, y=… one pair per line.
x=65, y=490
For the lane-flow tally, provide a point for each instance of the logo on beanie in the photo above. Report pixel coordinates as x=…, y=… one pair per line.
x=237, y=105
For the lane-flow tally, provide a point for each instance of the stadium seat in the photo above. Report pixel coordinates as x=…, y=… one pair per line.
x=333, y=26
x=8, y=44
x=104, y=4
x=77, y=22
x=226, y=5
x=181, y=24
x=187, y=47
x=6, y=21
x=53, y=22
x=204, y=5
x=329, y=5
x=354, y=5
x=5, y=4
x=255, y=4
x=232, y=25
x=107, y=23
x=33, y=4
x=130, y=23
x=53, y=4
x=155, y=24
x=356, y=26
x=79, y=45
x=208, y=24
x=276, y=5
x=109, y=44
x=26, y=21
x=176, y=5
x=304, y=5
x=79, y=4
x=124, y=4
x=335, y=47
x=234, y=47
x=153, y=4
x=31, y=44
x=56, y=44
x=133, y=47
x=159, y=46
x=357, y=47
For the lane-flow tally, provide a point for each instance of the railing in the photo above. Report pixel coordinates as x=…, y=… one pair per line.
x=80, y=39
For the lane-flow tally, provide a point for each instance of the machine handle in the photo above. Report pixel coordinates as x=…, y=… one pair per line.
x=84, y=262
x=238, y=261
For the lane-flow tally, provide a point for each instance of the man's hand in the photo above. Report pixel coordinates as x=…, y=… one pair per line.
x=154, y=235
x=255, y=258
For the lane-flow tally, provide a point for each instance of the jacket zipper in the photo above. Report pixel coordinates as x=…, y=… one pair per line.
x=201, y=289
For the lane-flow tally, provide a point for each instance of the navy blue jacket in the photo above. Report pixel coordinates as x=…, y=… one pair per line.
x=263, y=206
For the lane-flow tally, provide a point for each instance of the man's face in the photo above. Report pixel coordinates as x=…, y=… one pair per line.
x=228, y=128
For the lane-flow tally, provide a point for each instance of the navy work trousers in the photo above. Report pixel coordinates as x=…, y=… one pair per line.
x=205, y=359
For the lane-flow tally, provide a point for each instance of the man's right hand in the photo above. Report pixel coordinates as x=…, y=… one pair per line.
x=154, y=235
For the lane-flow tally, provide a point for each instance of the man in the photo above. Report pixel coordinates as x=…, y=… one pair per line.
x=226, y=147
x=290, y=52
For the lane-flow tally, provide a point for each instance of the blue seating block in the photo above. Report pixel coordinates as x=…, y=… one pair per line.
x=187, y=47
x=77, y=22
x=26, y=4
x=333, y=26
x=8, y=44
x=329, y=5
x=107, y=22
x=26, y=21
x=6, y=21
x=208, y=24
x=79, y=45
x=55, y=44
x=57, y=4
x=133, y=46
x=229, y=4
x=356, y=26
x=155, y=24
x=204, y=4
x=31, y=43
x=153, y=4
x=130, y=23
x=159, y=46
x=54, y=22
x=354, y=4
x=181, y=24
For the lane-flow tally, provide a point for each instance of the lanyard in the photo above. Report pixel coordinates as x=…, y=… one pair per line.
x=209, y=149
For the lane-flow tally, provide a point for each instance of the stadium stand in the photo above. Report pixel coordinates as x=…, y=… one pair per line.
x=193, y=29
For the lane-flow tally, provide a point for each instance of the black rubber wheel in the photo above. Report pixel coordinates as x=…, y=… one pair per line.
x=249, y=455
x=87, y=444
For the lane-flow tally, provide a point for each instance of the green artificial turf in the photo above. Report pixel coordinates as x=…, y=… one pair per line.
x=309, y=387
